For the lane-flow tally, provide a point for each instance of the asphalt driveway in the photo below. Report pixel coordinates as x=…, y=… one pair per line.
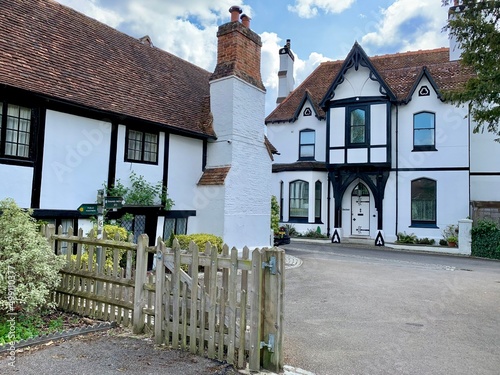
x=368, y=311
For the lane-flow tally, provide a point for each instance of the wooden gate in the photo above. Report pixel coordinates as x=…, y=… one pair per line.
x=231, y=311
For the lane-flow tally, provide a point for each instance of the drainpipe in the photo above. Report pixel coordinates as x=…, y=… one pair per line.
x=397, y=170
x=328, y=199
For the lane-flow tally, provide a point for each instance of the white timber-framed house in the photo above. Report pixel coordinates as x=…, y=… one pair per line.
x=369, y=148
x=83, y=105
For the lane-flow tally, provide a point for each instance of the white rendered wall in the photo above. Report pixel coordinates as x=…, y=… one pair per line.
x=485, y=158
x=18, y=185
x=184, y=171
x=452, y=133
x=151, y=172
x=238, y=110
x=75, y=160
x=357, y=83
x=452, y=186
x=285, y=137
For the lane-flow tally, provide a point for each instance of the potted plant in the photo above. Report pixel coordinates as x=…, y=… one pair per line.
x=450, y=235
x=452, y=241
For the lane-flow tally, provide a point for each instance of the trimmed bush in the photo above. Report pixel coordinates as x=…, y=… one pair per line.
x=486, y=239
x=29, y=270
x=199, y=239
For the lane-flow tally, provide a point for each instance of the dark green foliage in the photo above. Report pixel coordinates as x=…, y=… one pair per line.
x=486, y=239
x=313, y=233
x=406, y=238
x=275, y=214
x=425, y=241
x=292, y=232
x=475, y=27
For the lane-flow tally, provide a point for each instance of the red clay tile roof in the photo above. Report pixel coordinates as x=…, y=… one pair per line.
x=270, y=148
x=57, y=52
x=214, y=176
x=398, y=70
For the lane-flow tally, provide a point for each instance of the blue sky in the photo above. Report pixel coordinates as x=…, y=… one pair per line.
x=319, y=30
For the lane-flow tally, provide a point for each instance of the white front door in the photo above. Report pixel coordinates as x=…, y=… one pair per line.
x=360, y=211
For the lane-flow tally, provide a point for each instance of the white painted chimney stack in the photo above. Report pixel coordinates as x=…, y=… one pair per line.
x=285, y=75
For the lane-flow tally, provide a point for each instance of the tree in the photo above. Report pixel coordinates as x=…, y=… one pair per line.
x=475, y=26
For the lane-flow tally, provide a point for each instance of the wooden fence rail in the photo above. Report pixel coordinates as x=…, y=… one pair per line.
x=226, y=306
x=97, y=279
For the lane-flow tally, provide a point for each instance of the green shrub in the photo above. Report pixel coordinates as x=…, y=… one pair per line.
x=199, y=239
x=486, y=239
x=29, y=270
x=275, y=214
x=313, y=233
x=291, y=230
x=425, y=241
x=406, y=238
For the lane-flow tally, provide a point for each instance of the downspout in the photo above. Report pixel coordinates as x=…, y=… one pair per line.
x=469, y=142
x=328, y=199
x=397, y=170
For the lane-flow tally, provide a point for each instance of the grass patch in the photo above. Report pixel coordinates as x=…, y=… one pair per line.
x=35, y=324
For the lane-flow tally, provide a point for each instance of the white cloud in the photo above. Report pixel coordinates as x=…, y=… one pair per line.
x=309, y=8
x=92, y=9
x=271, y=44
x=409, y=25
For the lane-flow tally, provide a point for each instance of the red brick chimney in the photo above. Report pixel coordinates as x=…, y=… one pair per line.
x=238, y=50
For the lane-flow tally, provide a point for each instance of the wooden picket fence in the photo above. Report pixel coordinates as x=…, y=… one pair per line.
x=230, y=311
x=93, y=284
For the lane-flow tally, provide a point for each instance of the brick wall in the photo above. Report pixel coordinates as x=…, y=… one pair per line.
x=486, y=210
x=238, y=53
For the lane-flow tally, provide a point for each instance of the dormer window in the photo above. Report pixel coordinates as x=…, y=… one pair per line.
x=307, y=144
x=357, y=121
x=424, y=131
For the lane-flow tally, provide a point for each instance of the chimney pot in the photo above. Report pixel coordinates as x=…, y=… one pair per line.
x=245, y=20
x=235, y=13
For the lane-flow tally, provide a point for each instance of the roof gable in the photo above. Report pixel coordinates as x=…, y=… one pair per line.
x=356, y=58
x=58, y=53
x=401, y=73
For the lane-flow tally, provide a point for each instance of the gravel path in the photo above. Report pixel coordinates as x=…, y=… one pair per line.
x=111, y=352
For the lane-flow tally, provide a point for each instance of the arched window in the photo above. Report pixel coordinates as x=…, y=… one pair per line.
x=307, y=144
x=423, y=202
x=299, y=200
x=317, y=202
x=424, y=131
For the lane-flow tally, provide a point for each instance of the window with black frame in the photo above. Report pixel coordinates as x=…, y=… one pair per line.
x=15, y=131
x=424, y=130
x=307, y=144
x=141, y=147
x=423, y=202
x=357, y=123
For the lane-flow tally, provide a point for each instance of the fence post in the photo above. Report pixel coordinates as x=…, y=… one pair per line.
x=255, y=301
x=50, y=230
x=159, y=290
x=273, y=287
x=140, y=279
